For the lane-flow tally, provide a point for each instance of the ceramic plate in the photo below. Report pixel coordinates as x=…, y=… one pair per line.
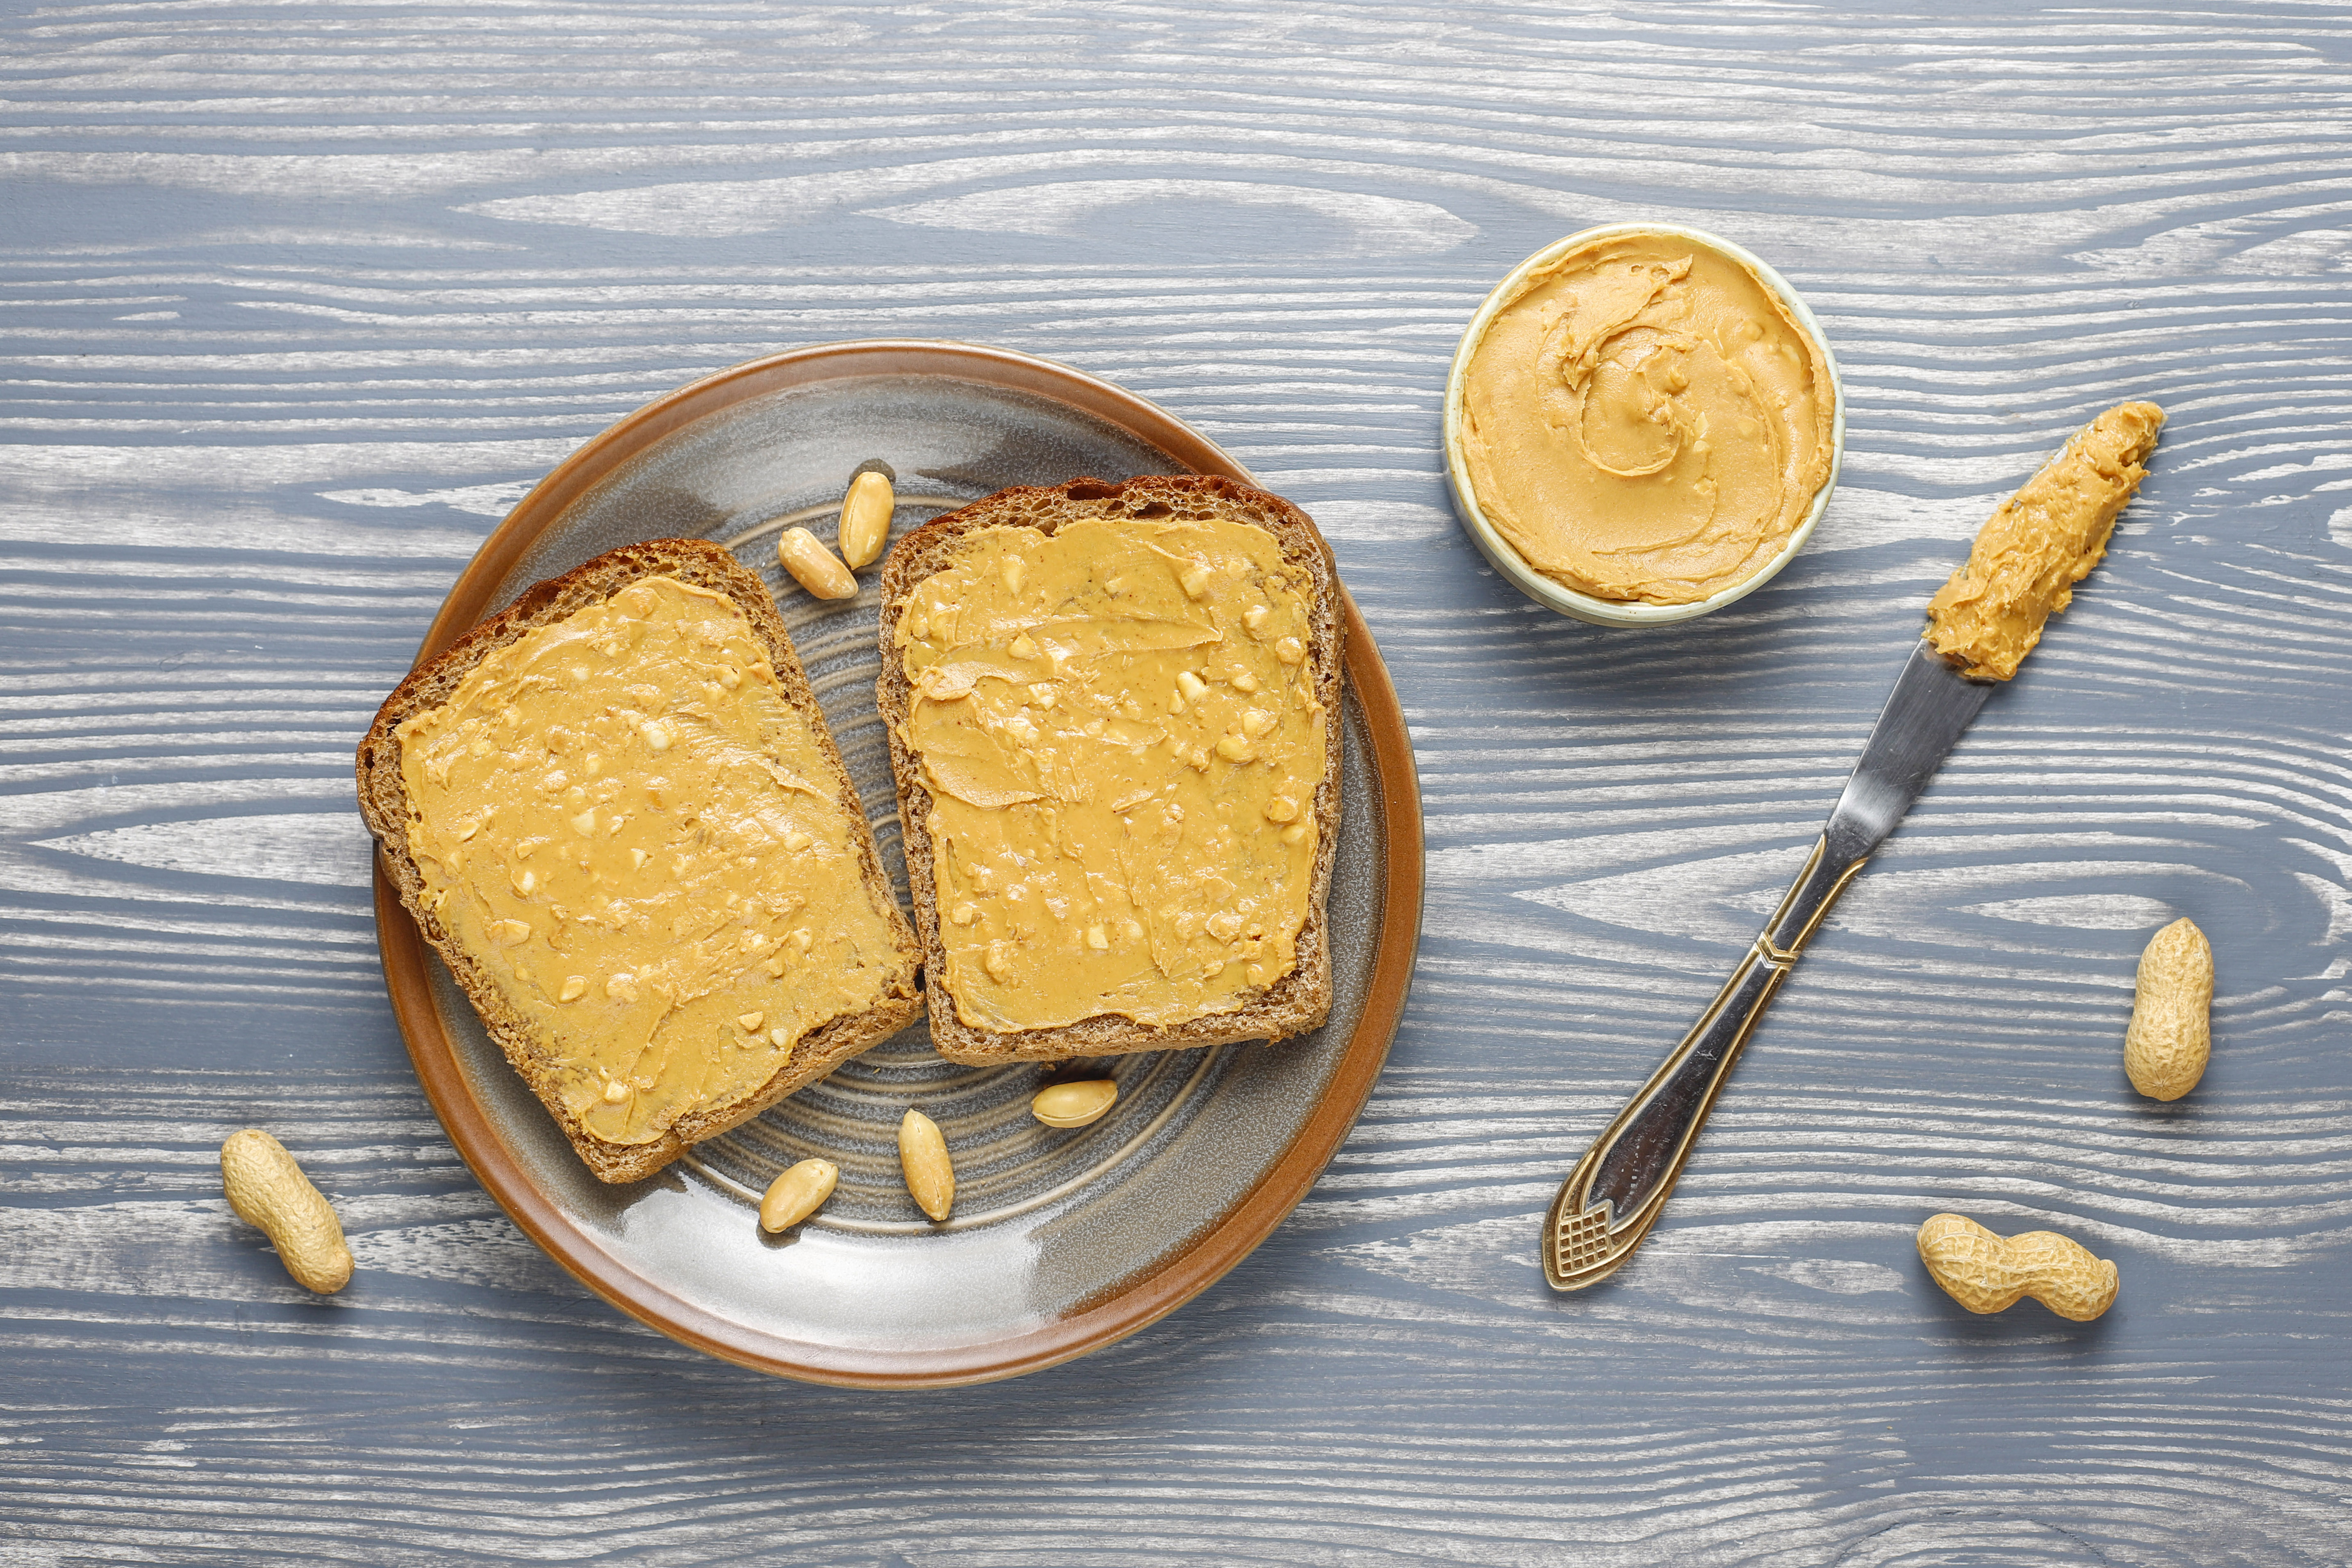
x=1062, y=1240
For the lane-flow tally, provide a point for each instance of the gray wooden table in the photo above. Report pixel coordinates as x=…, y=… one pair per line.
x=295, y=302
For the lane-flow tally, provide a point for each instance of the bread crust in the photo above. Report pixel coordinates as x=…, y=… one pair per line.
x=1298, y=1002
x=384, y=804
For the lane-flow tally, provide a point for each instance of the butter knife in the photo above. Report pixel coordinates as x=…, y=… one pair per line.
x=1614, y=1196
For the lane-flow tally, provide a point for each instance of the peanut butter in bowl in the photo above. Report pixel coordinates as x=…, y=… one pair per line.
x=1643, y=424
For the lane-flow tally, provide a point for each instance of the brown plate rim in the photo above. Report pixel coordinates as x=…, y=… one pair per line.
x=1135, y=1303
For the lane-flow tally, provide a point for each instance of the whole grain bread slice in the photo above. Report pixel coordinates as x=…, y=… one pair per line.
x=1291, y=1004
x=385, y=804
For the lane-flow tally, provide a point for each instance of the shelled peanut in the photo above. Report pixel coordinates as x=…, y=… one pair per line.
x=1073, y=1104
x=797, y=1193
x=923, y=1157
x=866, y=518
x=813, y=566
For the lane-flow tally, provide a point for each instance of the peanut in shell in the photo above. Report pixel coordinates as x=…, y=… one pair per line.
x=2171, y=1033
x=268, y=1189
x=1988, y=1273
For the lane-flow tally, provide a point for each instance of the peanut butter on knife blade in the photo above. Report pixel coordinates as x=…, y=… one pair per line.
x=2041, y=542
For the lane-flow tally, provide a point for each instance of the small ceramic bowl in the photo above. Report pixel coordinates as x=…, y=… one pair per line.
x=1554, y=596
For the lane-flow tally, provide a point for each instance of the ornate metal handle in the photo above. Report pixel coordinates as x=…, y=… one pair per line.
x=1614, y=1196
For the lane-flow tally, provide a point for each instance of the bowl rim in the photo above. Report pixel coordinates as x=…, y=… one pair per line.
x=1498, y=551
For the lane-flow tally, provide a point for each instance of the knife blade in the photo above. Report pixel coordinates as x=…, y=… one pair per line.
x=1615, y=1194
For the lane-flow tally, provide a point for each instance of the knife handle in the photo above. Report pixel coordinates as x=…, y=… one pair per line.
x=1614, y=1196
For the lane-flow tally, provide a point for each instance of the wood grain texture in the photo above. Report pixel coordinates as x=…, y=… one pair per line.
x=295, y=302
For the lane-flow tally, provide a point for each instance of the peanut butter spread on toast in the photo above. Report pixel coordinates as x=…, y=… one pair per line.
x=1646, y=420
x=1118, y=726
x=2041, y=542
x=625, y=821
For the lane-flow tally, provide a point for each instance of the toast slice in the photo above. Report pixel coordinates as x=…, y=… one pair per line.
x=970, y=1019
x=627, y=831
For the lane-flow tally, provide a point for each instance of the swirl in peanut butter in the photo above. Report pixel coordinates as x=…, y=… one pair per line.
x=1118, y=727
x=625, y=820
x=1644, y=420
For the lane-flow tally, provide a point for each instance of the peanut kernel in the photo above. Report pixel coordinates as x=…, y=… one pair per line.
x=814, y=566
x=865, y=525
x=750, y=1022
x=575, y=986
x=1073, y=1104
x=799, y=1192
